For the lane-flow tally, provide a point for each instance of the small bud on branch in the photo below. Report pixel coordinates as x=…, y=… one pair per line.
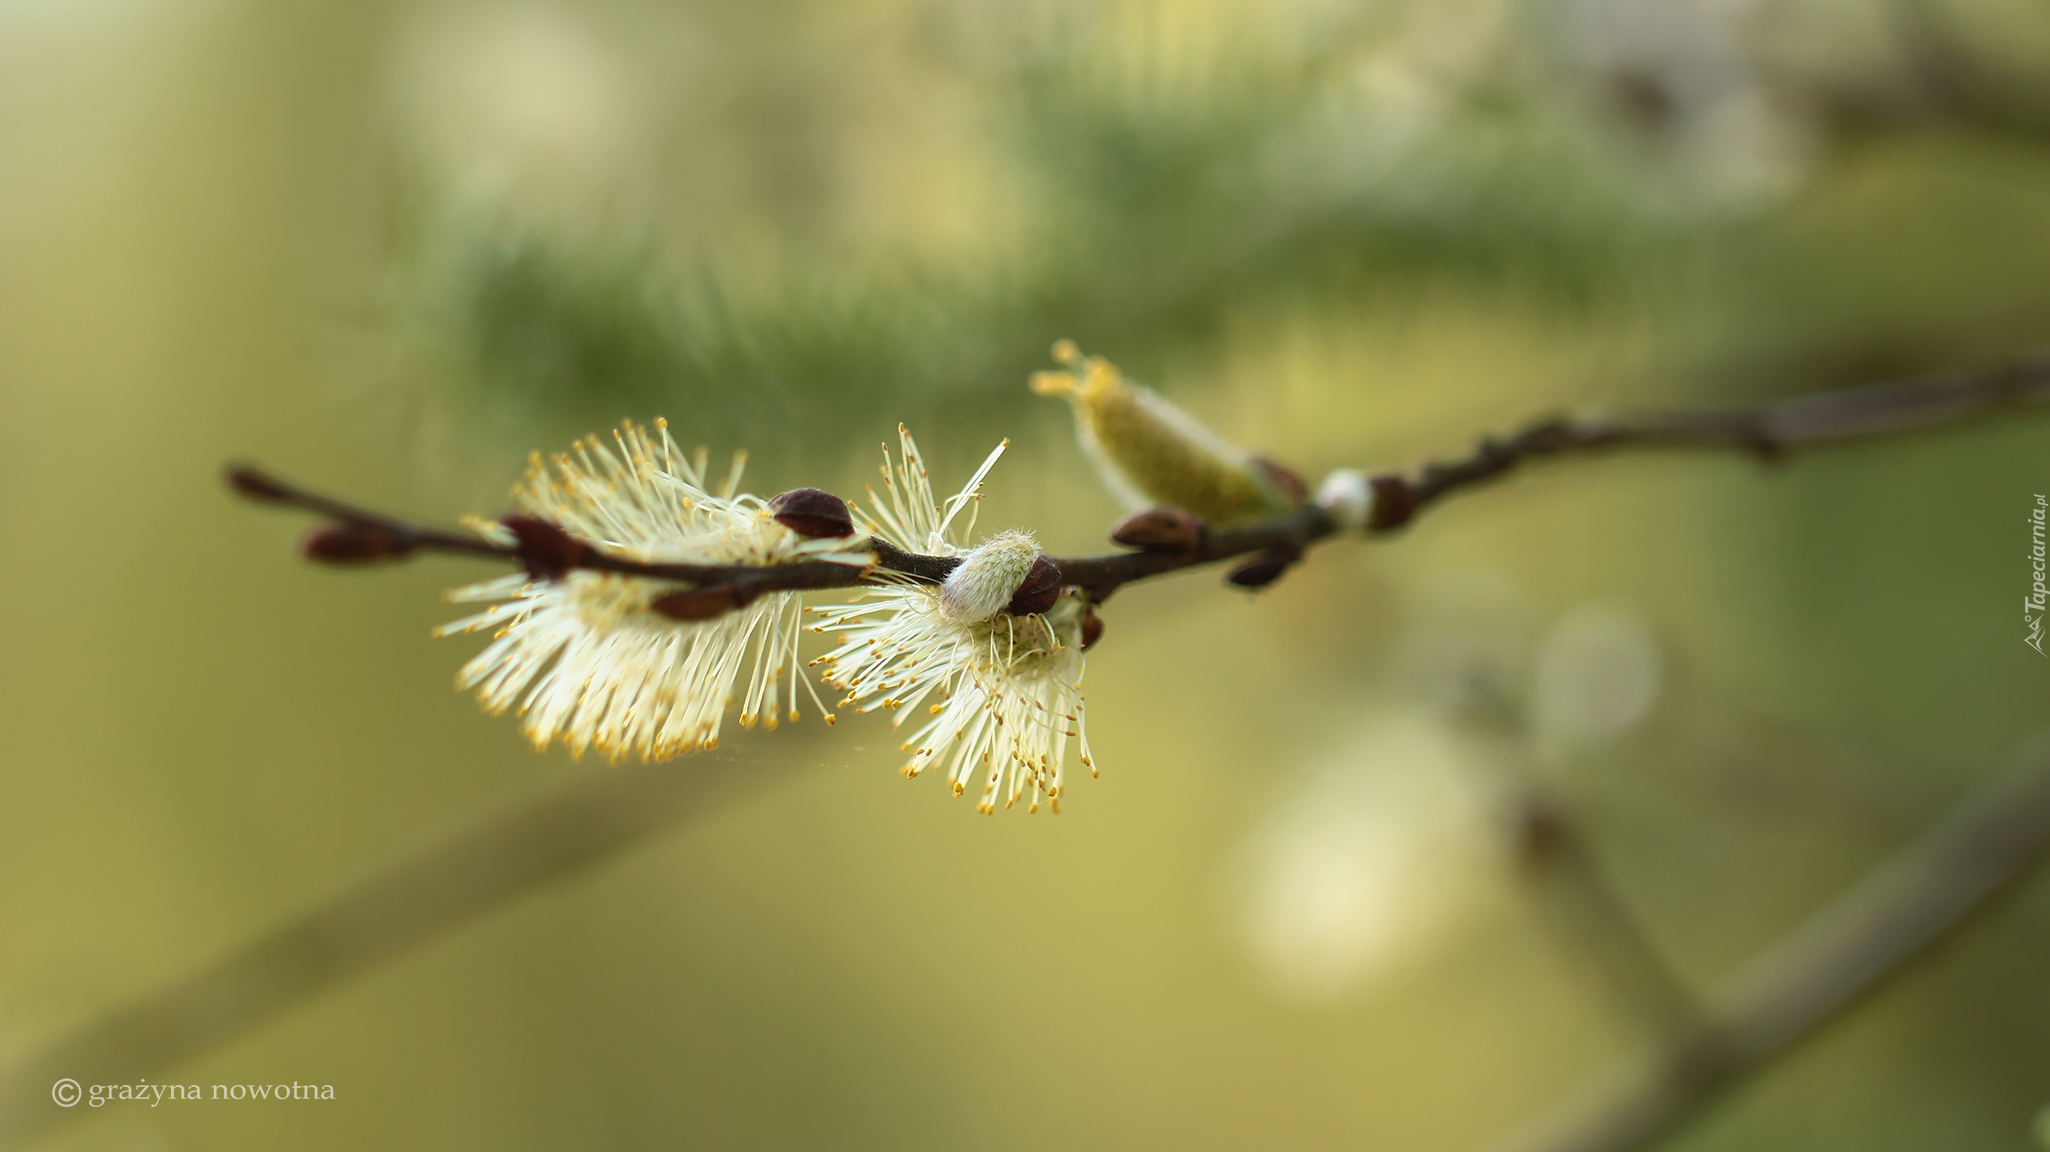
x=1041, y=588
x=356, y=544
x=1169, y=529
x=1265, y=568
x=256, y=485
x=1394, y=501
x=545, y=549
x=812, y=512
x=1092, y=627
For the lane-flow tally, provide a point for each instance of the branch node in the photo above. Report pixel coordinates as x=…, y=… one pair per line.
x=1394, y=502
x=546, y=551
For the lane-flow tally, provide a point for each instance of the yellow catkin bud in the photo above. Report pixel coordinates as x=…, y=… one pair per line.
x=1152, y=453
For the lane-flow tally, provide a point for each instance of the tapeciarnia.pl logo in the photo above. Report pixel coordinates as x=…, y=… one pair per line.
x=2039, y=596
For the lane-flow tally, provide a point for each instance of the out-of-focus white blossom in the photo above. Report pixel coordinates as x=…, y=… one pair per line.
x=1382, y=848
x=1596, y=674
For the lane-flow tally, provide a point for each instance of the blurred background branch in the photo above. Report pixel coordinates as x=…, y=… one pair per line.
x=1591, y=919
x=401, y=907
x=1913, y=903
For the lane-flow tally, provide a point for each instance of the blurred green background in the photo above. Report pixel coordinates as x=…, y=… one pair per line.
x=388, y=248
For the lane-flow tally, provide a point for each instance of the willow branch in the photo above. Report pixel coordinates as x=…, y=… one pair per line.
x=1767, y=431
x=1921, y=898
x=382, y=916
x=390, y=538
x=1594, y=921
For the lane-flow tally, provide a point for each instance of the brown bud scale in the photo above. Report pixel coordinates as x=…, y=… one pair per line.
x=1286, y=480
x=1265, y=568
x=812, y=512
x=1394, y=502
x=545, y=549
x=255, y=484
x=1168, y=529
x=356, y=544
x=1092, y=627
x=1041, y=588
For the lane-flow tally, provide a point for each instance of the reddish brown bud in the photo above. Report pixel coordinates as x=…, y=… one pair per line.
x=1092, y=627
x=698, y=603
x=1265, y=568
x=812, y=512
x=546, y=550
x=357, y=544
x=1041, y=588
x=1168, y=529
x=1394, y=502
x=1285, y=480
x=255, y=484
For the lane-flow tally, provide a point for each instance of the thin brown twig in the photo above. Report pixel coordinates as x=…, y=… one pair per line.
x=1098, y=575
x=1767, y=430
x=1900, y=913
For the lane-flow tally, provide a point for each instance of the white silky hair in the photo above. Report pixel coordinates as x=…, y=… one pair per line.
x=988, y=577
x=1348, y=496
